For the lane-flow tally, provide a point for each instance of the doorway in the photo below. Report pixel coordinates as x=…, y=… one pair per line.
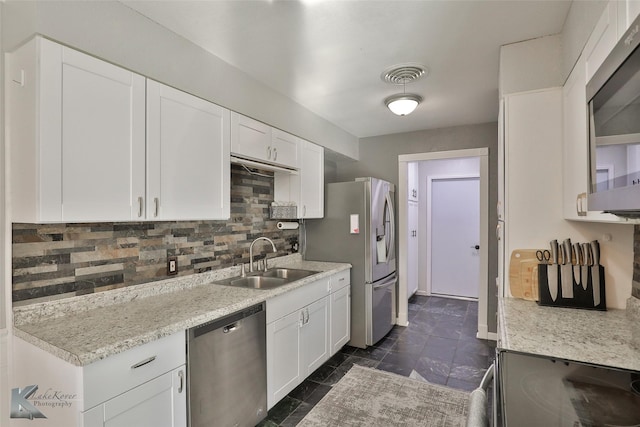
x=453, y=236
x=482, y=154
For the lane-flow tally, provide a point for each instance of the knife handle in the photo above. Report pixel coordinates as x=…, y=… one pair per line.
x=568, y=251
x=595, y=249
x=563, y=255
x=579, y=255
x=554, y=251
x=586, y=253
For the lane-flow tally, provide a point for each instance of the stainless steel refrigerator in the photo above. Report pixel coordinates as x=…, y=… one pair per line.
x=359, y=228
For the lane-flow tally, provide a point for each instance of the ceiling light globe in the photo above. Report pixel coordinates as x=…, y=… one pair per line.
x=404, y=104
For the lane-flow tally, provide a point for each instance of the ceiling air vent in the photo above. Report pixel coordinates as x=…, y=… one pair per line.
x=403, y=73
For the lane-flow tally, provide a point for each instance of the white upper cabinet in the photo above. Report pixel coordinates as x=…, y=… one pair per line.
x=602, y=39
x=311, y=181
x=188, y=140
x=81, y=148
x=250, y=138
x=575, y=150
x=628, y=11
x=255, y=140
x=284, y=148
x=76, y=136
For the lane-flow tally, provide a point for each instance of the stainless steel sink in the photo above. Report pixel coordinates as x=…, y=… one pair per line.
x=267, y=279
x=288, y=273
x=258, y=282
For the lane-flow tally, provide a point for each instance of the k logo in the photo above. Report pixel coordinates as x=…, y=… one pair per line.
x=21, y=407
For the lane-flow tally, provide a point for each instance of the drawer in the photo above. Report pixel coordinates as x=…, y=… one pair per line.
x=289, y=302
x=340, y=280
x=114, y=375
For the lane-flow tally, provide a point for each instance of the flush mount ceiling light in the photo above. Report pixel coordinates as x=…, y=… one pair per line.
x=404, y=103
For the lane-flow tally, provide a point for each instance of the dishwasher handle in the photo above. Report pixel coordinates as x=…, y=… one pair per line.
x=230, y=328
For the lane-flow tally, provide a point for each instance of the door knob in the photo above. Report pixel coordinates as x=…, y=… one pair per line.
x=476, y=247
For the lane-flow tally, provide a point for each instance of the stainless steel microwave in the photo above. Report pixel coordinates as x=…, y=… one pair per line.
x=613, y=102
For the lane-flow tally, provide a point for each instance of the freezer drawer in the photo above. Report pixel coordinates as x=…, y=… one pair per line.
x=380, y=299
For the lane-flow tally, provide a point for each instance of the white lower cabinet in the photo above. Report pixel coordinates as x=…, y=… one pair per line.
x=159, y=402
x=300, y=332
x=340, y=310
x=144, y=386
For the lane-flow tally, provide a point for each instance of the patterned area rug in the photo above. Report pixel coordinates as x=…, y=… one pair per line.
x=370, y=397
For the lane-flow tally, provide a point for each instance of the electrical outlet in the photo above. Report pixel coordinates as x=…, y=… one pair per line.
x=172, y=265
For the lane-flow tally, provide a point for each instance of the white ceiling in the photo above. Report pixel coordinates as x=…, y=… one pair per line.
x=328, y=55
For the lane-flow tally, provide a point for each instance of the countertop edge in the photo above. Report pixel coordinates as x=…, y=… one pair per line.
x=102, y=352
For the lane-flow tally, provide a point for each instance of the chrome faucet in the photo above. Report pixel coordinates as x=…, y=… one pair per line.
x=251, y=252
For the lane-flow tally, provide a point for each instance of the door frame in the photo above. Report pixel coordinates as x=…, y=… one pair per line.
x=430, y=180
x=403, y=195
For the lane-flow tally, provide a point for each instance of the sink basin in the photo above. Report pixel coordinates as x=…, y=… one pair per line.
x=288, y=273
x=258, y=282
x=268, y=279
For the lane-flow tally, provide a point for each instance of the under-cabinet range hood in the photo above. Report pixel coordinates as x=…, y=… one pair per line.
x=254, y=164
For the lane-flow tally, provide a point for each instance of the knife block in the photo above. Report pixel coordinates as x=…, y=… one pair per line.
x=582, y=298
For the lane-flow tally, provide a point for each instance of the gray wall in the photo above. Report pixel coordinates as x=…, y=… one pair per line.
x=118, y=34
x=379, y=158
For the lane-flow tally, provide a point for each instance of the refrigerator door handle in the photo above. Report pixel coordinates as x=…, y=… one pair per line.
x=386, y=283
x=392, y=234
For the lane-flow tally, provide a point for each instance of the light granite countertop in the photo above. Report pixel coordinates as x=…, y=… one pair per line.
x=82, y=330
x=606, y=338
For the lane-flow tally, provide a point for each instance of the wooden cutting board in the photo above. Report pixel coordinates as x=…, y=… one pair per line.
x=523, y=274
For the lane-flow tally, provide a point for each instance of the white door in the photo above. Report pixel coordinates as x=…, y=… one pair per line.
x=455, y=234
x=188, y=142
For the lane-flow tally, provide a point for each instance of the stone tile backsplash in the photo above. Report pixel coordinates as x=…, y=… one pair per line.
x=62, y=260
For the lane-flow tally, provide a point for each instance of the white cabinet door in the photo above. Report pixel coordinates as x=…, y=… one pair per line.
x=284, y=148
x=628, y=11
x=284, y=369
x=412, y=258
x=188, y=140
x=76, y=136
x=156, y=403
x=602, y=39
x=575, y=150
x=340, y=318
x=413, y=180
x=250, y=138
x=311, y=181
x=314, y=338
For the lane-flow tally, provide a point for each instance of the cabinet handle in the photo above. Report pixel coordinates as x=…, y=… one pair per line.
x=156, y=203
x=578, y=205
x=181, y=384
x=269, y=152
x=140, y=206
x=304, y=211
x=307, y=311
x=498, y=232
x=275, y=154
x=143, y=362
x=301, y=318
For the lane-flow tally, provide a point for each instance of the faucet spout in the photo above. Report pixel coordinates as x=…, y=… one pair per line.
x=251, y=250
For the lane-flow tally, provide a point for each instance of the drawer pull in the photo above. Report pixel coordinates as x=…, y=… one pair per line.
x=144, y=362
x=341, y=279
x=181, y=385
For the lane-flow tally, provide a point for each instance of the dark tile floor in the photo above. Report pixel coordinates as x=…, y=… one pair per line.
x=439, y=345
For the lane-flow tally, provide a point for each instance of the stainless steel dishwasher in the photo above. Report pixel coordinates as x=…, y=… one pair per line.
x=227, y=370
